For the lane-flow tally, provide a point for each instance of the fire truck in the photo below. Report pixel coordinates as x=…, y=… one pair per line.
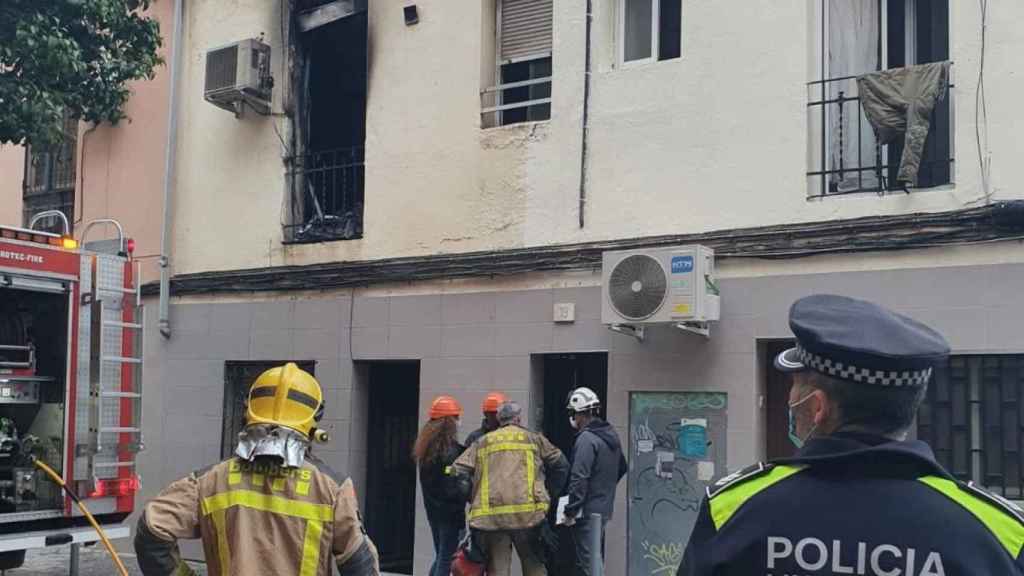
x=71, y=328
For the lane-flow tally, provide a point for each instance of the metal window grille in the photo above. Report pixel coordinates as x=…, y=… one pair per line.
x=327, y=198
x=50, y=177
x=973, y=418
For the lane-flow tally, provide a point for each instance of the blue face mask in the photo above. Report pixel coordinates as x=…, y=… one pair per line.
x=793, y=436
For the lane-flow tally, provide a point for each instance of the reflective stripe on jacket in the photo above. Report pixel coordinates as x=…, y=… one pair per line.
x=258, y=518
x=508, y=468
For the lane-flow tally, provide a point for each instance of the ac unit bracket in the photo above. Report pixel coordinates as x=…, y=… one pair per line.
x=629, y=330
x=702, y=328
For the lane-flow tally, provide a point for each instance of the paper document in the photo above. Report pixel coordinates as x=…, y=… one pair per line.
x=560, y=511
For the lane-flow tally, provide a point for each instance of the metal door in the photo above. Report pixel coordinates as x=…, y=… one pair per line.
x=677, y=446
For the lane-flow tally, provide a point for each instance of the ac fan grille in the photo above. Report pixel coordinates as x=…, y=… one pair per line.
x=222, y=68
x=637, y=287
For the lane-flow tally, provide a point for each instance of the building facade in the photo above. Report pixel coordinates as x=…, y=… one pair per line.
x=431, y=184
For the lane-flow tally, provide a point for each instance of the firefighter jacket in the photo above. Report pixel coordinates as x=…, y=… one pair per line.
x=258, y=519
x=508, y=467
x=854, y=505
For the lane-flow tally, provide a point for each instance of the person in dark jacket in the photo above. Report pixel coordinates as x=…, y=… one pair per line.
x=435, y=451
x=489, y=408
x=858, y=499
x=598, y=465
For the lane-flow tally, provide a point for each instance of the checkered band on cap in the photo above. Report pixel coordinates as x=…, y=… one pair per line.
x=846, y=371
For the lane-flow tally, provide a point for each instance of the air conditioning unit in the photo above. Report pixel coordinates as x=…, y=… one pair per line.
x=238, y=75
x=675, y=285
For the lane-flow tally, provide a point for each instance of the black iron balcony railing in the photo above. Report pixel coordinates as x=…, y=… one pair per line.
x=844, y=155
x=327, y=196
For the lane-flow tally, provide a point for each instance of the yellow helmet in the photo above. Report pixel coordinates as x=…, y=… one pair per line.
x=286, y=396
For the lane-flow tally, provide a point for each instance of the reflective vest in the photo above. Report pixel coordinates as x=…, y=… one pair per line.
x=257, y=518
x=508, y=479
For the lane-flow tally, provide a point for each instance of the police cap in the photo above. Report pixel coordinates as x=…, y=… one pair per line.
x=861, y=342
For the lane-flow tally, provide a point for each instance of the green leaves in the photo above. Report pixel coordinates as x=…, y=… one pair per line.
x=74, y=55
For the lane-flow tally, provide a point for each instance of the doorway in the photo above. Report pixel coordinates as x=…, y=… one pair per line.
x=776, y=394
x=394, y=396
x=560, y=374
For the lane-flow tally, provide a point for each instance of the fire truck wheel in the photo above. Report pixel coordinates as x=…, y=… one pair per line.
x=12, y=560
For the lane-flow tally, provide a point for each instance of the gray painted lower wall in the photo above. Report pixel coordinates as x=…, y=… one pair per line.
x=468, y=344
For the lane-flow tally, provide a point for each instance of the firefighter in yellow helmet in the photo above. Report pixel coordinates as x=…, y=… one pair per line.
x=271, y=509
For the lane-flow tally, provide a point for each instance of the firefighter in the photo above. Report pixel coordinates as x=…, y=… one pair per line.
x=490, y=409
x=509, y=500
x=273, y=508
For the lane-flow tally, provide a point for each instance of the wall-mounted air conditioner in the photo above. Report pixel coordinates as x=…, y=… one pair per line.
x=238, y=75
x=674, y=285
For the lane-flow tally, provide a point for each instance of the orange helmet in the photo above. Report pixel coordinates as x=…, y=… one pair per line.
x=443, y=406
x=493, y=401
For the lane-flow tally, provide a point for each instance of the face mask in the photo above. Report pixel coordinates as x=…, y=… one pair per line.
x=793, y=437
x=572, y=422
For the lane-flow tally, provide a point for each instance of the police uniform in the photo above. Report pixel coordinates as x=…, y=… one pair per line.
x=855, y=503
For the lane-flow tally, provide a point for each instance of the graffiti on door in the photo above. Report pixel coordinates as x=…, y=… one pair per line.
x=677, y=444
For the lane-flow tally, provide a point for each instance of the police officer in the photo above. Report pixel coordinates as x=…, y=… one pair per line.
x=270, y=510
x=858, y=498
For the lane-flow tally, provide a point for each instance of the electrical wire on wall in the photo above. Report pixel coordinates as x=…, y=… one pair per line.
x=81, y=176
x=981, y=111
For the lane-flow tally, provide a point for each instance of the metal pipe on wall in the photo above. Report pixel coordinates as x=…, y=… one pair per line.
x=586, y=119
x=169, y=160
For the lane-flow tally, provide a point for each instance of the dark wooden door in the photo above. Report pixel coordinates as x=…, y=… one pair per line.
x=391, y=473
x=777, y=404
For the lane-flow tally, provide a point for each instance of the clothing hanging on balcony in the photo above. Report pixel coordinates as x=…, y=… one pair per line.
x=899, y=102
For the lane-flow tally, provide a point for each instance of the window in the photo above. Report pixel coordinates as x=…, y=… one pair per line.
x=523, y=51
x=973, y=417
x=328, y=179
x=50, y=180
x=238, y=378
x=852, y=38
x=650, y=30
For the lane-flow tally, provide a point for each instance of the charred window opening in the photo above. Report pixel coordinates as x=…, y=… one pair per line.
x=331, y=88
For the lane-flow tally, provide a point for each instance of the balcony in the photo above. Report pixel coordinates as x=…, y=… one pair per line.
x=845, y=157
x=327, y=196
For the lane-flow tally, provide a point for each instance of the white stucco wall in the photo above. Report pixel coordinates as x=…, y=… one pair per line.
x=714, y=140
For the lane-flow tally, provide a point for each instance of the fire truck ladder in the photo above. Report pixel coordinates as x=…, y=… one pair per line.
x=108, y=300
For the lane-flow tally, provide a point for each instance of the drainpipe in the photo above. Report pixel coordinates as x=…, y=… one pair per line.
x=169, y=160
x=586, y=118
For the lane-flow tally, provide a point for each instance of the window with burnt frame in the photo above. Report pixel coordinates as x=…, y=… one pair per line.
x=328, y=181
x=50, y=178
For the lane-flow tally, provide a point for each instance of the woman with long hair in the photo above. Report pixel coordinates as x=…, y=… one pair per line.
x=436, y=449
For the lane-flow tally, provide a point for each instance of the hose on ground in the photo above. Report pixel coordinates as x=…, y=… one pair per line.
x=88, y=515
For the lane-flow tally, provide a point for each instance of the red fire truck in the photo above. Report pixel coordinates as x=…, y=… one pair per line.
x=71, y=328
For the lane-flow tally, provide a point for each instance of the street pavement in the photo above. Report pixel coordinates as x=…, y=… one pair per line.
x=94, y=561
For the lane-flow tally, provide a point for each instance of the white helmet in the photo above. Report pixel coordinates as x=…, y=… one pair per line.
x=583, y=399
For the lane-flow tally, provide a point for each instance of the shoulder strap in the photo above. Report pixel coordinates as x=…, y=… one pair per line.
x=730, y=493
x=1003, y=518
